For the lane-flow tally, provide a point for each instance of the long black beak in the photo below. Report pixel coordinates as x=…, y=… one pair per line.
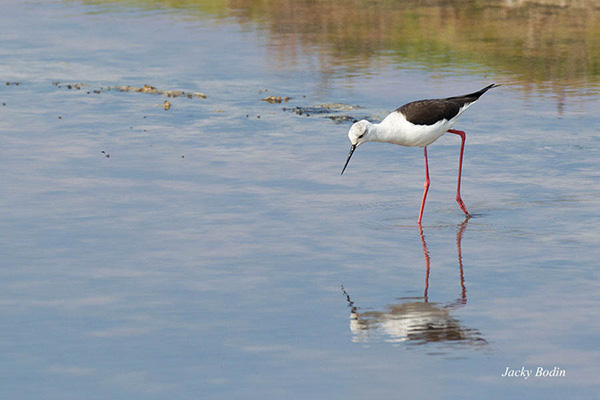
x=348, y=160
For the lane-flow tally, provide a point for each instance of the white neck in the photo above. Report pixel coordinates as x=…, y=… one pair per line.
x=382, y=132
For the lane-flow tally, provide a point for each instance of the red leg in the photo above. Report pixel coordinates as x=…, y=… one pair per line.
x=463, y=137
x=426, y=186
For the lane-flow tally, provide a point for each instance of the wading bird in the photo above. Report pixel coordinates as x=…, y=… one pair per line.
x=418, y=124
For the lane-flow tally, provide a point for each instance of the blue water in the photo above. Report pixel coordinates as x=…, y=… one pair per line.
x=205, y=257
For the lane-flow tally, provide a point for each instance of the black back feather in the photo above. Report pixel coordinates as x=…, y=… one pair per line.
x=428, y=112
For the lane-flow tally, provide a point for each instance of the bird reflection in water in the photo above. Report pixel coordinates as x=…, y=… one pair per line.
x=414, y=320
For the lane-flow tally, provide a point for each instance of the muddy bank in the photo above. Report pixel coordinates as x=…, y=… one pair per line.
x=126, y=88
x=337, y=112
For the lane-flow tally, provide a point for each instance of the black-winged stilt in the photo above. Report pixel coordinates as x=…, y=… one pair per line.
x=419, y=123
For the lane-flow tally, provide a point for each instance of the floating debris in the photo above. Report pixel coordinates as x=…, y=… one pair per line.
x=13, y=83
x=322, y=109
x=143, y=89
x=331, y=111
x=276, y=99
x=153, y=90
x=167, y=105
x=339, y=107
x=338, y=119
x=126, y=88
x=69, y=86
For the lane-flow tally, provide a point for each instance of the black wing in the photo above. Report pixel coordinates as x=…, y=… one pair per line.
x=428, y=112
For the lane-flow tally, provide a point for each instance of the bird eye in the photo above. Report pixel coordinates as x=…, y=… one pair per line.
x=360, y=137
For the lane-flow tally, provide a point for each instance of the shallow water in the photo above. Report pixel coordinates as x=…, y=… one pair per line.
x=213, y=250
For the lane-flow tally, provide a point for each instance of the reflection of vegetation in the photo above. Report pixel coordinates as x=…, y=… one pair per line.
x=535, y=41
x=213, y=7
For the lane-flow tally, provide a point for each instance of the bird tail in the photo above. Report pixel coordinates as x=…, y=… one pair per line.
x=482, y=91
x=471, y=97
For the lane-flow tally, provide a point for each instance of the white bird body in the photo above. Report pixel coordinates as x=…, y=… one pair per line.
x=396, y=129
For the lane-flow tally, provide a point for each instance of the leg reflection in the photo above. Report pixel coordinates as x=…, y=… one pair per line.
x=414, y=320
x=427, y=263
x=459, y=235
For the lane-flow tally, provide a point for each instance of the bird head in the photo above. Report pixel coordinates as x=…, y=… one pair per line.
x=358, y=134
